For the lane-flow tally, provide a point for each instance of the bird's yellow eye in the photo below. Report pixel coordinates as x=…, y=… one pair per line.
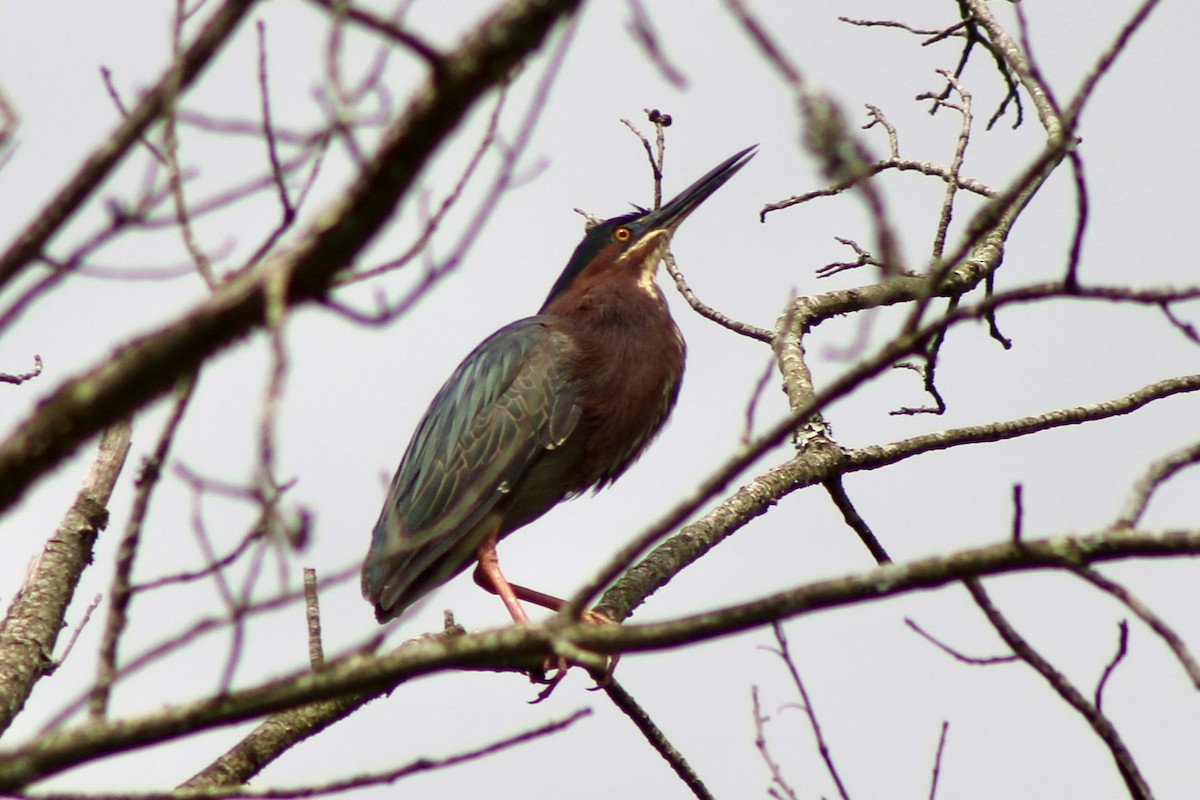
x=622, y=234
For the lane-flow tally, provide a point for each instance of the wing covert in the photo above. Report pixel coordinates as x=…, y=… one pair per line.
x=507, y=402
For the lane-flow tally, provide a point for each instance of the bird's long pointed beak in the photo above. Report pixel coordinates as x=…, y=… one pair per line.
x=676, y=211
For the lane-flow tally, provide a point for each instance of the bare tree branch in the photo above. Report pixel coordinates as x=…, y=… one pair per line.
x=937, y=761
x=50, y=219
x=760, y=742
x=145, y=368
x=30, y=629
x=1103, y=727
x=785, y=653
x=958, y=656
x=656, y=738
x=1147, y=615
x=219, y=790
x=1158, y=473
x=121, y=592
x=808, y=468
x=518, y=647
x=20, y=378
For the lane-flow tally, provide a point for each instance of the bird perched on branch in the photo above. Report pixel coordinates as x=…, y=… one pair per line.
x=543, y=409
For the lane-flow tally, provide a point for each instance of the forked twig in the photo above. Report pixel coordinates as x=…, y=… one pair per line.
x=1138, y=788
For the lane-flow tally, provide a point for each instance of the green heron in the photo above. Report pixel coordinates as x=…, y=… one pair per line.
x=542, y=410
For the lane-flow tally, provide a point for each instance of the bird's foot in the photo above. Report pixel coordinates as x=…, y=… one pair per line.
x=594, y=617
x=556, y=668
x=558, y=665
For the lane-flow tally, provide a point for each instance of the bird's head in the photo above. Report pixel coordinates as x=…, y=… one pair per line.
x=630, y=246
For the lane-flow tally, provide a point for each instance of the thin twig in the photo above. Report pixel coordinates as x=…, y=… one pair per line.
x=837, y=491
x=786, y=654
x=760, y=386
x=764, y=750
x=707, y=311
x=654, y=735
x=1122, y=649
x=956, y=654
x=644, y=34
x=898, y=164
x=115, y=95
x=121, y=589
x=236, y=610
x=20, y=378
x=1147, y=615
x=1071, y=279
x=312, y=608
x=1186, y=328
x=928, y=371
x=1107, y=59
x=960, y=149
x=287, y=210
x=1134, y=782
x=1018, y=521
x=887, y=23
x=864, y=258
x=207, y=571
x=170, y=151
x=989, y=285
x=765, y=43
x=1151, y=480
x=937, y=760
x=416, y=767
x=418, y=46
x=87, y=615
x=654, y=154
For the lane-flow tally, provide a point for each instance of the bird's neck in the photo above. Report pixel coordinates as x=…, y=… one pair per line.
x=620, y=313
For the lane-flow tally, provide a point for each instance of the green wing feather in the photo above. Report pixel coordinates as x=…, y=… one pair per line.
x=507, y=404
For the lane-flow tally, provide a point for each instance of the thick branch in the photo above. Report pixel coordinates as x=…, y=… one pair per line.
x=340, y=787
x=818, y=464
x=273, y=736
x=1018, y=63
x=361, y=673
x=875, y=456
x=49, y=220
x=149, y=366
x=1063, y=552
x=30, y=629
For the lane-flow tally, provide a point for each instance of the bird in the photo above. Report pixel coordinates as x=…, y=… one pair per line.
x=542, y=410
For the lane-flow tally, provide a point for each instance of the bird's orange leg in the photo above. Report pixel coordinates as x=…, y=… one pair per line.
x=489, y=576
x=486, y=574
x=484, y=579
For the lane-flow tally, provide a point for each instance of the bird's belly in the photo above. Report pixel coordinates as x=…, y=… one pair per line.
x=622, y=414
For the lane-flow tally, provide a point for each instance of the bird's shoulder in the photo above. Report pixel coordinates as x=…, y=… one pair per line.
x=514, y=380
x=528, y=354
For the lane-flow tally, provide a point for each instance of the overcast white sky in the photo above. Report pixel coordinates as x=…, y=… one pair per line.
x=354, y=394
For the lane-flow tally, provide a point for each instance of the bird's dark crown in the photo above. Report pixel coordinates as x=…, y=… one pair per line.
x=614, y=237
x=594, y=241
